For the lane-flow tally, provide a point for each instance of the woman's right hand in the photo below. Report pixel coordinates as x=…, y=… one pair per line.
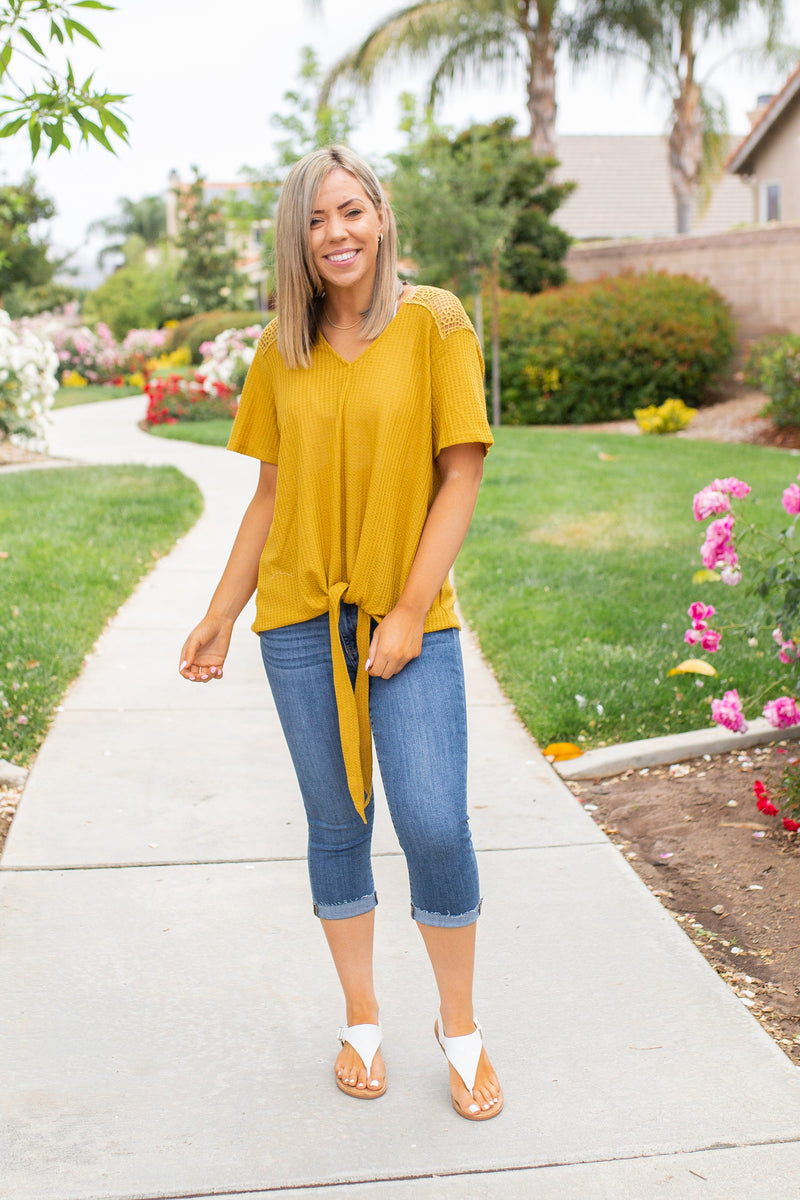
x=205, y=649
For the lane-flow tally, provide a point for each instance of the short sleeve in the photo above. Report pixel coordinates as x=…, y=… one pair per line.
x=458, y=398
x=255, y=431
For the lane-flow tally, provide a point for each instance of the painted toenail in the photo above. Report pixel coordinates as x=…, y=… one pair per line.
x=473, y=1108
x=362, y=1084
x=374, y=1083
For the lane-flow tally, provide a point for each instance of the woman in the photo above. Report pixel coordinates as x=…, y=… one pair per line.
x=364, y=405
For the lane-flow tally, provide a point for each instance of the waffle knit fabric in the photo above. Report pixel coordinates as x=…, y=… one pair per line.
x=355, y=444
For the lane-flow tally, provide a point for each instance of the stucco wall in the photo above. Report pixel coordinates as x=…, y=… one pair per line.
x=757, y=270
x=778, y=161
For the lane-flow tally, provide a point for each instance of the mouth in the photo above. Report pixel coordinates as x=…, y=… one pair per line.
x=342, y=256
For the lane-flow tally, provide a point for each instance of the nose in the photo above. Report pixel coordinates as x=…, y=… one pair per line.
x=336, y=228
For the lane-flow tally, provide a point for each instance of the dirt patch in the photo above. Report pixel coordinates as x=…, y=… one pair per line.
x=16, y=456
x=729, y=875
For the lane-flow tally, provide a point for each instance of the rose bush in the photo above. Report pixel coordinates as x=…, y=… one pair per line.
x=178, y=399
x=227, y=358
x=736, y=549
x=28, y=382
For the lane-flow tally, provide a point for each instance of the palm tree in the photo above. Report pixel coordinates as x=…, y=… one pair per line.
x=144, y=219
x=669, y=36
x=464, y=37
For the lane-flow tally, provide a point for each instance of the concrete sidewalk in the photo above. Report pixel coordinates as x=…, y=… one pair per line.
x=170, y=1009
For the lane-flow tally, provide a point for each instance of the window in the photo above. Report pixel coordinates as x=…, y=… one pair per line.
x=770, y=202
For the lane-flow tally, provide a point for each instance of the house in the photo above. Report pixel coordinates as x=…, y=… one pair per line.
x=768, y=158
x=624, y=190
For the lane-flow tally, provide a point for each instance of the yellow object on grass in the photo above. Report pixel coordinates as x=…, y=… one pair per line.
x=693, y=666
x=562, y=751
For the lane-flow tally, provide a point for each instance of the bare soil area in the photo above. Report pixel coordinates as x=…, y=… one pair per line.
x=728, y=874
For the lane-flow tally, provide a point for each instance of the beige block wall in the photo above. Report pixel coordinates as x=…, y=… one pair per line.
x=757, y=270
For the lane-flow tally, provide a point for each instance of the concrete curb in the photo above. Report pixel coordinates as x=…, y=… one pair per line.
x=651, y=752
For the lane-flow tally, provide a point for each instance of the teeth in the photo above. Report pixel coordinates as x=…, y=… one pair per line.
x=347, y=254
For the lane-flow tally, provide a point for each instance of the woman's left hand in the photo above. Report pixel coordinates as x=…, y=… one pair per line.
x=397, y=639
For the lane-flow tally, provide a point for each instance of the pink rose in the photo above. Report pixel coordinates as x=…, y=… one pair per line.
x=782, y=712
x=731, y=576
x=791, y=499
x=787, y=652
x=732, y=485
x=700, y=612
x=728, y=712
x=710, y=640
x=717, y=549
x=709, y=502
x=713, y=498
x=692, y=637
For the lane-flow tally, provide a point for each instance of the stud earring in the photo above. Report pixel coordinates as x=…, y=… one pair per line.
x=380, y=238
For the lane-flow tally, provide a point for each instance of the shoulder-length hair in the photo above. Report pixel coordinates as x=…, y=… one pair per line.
x=300, y=290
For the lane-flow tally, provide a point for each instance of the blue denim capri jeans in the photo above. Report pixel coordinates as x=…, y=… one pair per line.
x=419, y=727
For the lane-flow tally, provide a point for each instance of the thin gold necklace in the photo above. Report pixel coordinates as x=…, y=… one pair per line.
x=335, y=326
x=325, y=316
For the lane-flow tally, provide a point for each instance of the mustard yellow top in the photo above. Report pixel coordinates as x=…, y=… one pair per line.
x=355, y=444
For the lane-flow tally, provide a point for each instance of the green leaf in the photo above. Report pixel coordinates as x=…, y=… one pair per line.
x=117, y=125
x=31, y=40
x=12, y=127
x=93, y=4
x=55, y=32
x=5, y=57
x=90, y=129
x=75, y=26
x=35, y=133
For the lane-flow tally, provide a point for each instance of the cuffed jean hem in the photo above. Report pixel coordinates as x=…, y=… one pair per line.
x=350, y=908
x=446, y=920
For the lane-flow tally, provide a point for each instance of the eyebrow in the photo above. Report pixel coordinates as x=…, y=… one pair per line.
x=347, y=203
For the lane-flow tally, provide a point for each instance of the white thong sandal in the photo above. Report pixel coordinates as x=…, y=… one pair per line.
x=463, y=1054
x=365, y=1040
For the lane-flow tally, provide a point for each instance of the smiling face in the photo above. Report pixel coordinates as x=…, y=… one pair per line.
x=344, y=231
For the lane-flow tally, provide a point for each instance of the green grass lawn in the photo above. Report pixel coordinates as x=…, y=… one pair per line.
x=207, y=433
x=68, y=397
x=74, y=544
x=576, y=576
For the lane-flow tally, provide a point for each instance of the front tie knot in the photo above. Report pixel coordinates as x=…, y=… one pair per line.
x=352, y=703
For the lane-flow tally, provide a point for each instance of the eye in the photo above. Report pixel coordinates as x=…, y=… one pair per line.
x=315, y=221
x=354, y=212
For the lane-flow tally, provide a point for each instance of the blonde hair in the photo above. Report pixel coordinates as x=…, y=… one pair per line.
x=300, y=290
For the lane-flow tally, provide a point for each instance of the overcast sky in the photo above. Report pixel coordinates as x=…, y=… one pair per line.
x=204, y=77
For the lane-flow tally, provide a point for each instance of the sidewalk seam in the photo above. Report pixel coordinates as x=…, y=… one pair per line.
x=454, y=1174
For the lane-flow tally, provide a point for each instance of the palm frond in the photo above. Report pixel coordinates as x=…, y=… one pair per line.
x=419, y=30
x=715, y=146
x=475, y=50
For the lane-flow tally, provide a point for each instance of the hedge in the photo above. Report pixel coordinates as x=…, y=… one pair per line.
x=596, y=351
x=204, y=327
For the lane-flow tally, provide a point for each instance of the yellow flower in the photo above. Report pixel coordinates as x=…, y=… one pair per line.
x=73, y=379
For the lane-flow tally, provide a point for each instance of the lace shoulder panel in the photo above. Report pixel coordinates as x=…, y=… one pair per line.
x=269, y=336
x=445, y=308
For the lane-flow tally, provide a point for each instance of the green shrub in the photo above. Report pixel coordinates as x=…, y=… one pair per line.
x=136, y=296
x=204, y=327
x=774, y=366
x=596, y=351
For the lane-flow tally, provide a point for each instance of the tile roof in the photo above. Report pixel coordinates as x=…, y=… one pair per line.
x=624, y=189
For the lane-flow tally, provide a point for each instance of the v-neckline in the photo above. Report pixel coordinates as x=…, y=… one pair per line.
x=351, y=362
